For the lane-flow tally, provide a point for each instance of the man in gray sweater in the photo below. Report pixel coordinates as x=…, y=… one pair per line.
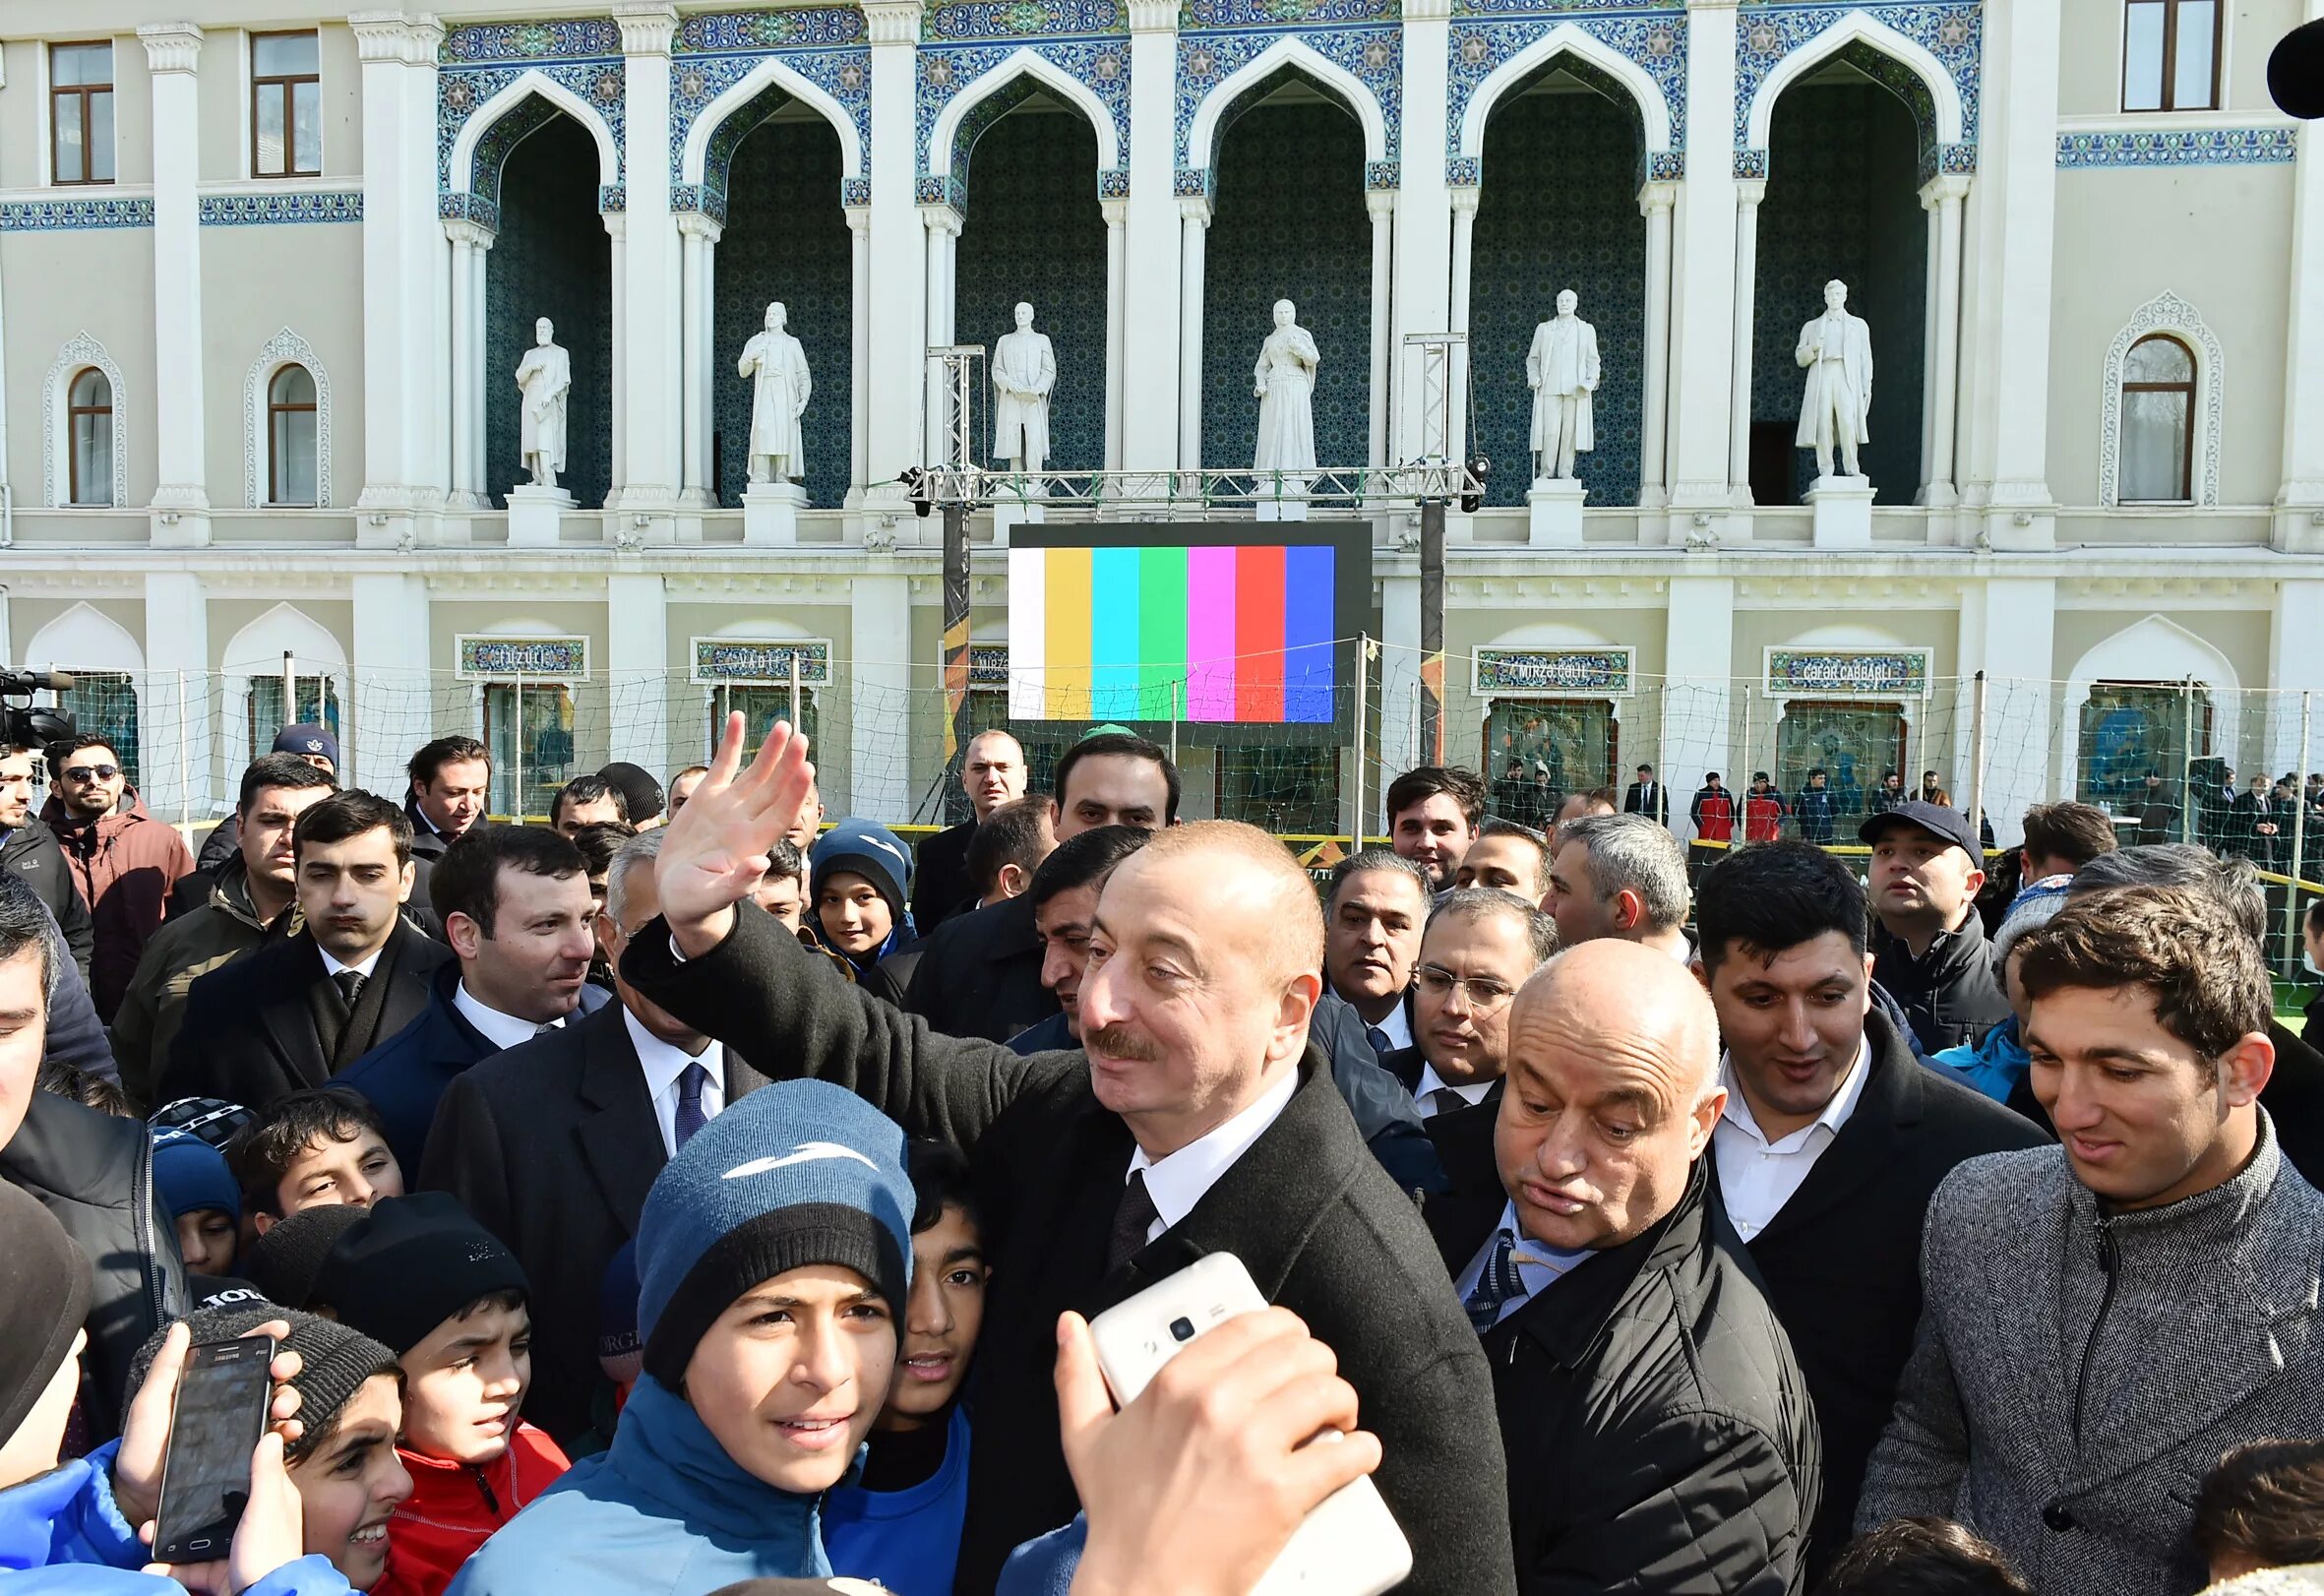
x=2105, y=1318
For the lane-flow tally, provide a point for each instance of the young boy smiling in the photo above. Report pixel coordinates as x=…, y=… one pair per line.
x=901, y=1522
x=773, y=1258
x=424, y=1280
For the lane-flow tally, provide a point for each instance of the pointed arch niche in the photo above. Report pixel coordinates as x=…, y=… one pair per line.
x=285, y=349
x=83, y=353
x=251, y=667
x=2166, y=315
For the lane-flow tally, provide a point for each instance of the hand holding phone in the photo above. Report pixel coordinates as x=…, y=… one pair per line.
x=145, y=1434
x=271, y=1533
x=224, y=1391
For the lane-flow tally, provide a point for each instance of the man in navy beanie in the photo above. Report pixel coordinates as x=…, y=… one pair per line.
x=774, y=1265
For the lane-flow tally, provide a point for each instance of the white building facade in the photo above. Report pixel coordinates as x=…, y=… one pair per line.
x=265, y=275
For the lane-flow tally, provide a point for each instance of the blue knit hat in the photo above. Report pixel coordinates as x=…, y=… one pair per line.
x=797, y=1174
x=871, y=851
x=191, y=1176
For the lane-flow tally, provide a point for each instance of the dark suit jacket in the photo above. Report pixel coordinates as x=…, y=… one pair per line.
x=1405, y=1063
x=1659, y=1436
x=1322, y=1229
x=1841, y=1260
x=404, y=1076
x=1633, y=802
x=552, y=1147
x=940, y=876
x=980, y=974
x=250, y=1032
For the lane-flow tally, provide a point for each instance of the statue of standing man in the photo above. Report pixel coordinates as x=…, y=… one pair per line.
x=1024, y=370
x=545, y=377
x=1285, y=382
x=778, y=367
x=1563, y=367
x=1837, y=350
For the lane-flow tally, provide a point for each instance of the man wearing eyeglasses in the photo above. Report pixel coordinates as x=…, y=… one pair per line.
x=1479, y=946
x=123, y=861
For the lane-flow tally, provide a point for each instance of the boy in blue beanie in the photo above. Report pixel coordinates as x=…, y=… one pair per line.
x=773, y=1264
x=861, y=875
x=193, y=1181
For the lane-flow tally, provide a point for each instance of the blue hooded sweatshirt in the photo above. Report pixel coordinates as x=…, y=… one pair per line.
x=870, y=850
x=63, y=1534
x=665, y=1512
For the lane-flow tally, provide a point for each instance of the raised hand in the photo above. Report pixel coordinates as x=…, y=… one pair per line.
x=144, y=1431
x=714, y=853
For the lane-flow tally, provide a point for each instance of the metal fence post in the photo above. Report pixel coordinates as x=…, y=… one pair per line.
x=2299, y=837
x=1363, y=691
x=185, y=784
x=517, y=741
x=2186, y=762
x=1977, y=751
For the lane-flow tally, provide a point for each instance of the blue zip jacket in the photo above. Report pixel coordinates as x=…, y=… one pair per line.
x=62, y=1533
x=1993, y=1067
x=665, y=1512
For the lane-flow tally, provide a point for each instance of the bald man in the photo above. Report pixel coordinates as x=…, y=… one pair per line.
x=1659, y=1436
x=1196, y=1118
x=992, y=774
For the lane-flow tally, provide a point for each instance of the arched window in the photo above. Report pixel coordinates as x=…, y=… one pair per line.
x=290, y=437
x=89, y=412
x=2158, y=422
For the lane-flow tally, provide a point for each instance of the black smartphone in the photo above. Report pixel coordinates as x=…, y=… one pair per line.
x=222, y=1397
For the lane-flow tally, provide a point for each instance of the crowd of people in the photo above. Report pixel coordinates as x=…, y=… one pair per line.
x=703, y=1191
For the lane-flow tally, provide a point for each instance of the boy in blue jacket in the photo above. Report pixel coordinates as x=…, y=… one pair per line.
x=773, y=1266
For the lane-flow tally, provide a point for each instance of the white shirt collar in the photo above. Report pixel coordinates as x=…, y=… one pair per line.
x=664, y=1063
x=333, y=966
x=1738, y=1112
x=1396, y=1027
x=501, y=1030
x=1539, y=1264
x=1179, y=1181
x=1431, y=1082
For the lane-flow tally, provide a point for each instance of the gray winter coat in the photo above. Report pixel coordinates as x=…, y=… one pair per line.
x=2076, y=1375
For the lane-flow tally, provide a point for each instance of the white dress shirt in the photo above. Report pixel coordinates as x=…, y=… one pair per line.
x=501, y=1030
x=331, y=966
x=1757, y=1177
x=662, y=1064
x=1539, y=1264
x=1431, y=1083
x=1397, y=1027
x=1177, y=1182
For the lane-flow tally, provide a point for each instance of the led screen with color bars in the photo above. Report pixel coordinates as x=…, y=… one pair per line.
x=1242, y=624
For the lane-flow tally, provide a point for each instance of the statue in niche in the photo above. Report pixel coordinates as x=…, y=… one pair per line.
x=1837, y=350
x=1024, y=370
x=1563, y=368
x=545, y=377
x=779, y=384
x=1285, y=382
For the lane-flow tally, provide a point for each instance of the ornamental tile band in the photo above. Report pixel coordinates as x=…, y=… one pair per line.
x=1536, y=671
x=73, y=215
x=1372, y=55
x=845, y=74
x=988, y=665
x=271, y=210
x=563, y=658
x=461, y=92
x=1101, y=63
x=970, y=20
x=2177, y=146
x=567, y=40
x=1656, y=42
x=1952, y=31
x=1891, y=673
x=1278, y=13
x=806, y=28
x=741, y=661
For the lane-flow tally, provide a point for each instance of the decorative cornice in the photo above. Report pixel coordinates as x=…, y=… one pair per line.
x=474, y=234
x=1937, y=190
x=1153, y=16
x=1428, y=11
x=941, y=218
x=172, y=47
x=75, y=215
x=275, y=210
x=646, y=25
x=393, y=36
x=694, y=225
x=2178, y=146
x=892, y=21
x=1656, y=196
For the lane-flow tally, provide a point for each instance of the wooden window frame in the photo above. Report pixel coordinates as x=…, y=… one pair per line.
x=2169, y=86
x=85, y=93
x=288, y=85
x=2190, y=388
x=274, y=462
x=72, y=414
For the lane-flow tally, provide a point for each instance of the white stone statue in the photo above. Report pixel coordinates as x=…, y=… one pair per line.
x=1837, y=350
x=1285, y=382
x=545, y=378
x=1024, y=370
x=779, y=387
x=1563, y=367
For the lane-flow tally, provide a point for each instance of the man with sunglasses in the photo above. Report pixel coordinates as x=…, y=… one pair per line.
x=31, y=852
x=123, y=861
x=1479, y=946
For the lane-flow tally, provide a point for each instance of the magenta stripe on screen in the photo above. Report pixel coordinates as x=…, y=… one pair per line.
x=1211, y=634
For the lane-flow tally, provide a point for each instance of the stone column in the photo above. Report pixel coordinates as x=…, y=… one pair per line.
x=1193, y=221
x=699, y=242
x=2008, y=630
x=859, y=423
x=1657, y=201
x=393, y=707
x=1702, y=273
x=1117, y=214
x=638, y=669
x=943, y=227
x=1463, y=205
x=181, y=501
x=2004, y=471
x=177, y=644
x=879, y=626
x=2299, y=501
x=1149, y=406
x=1942, y=199
x=1698, y=707
x=652, y=392
x=1748, y=196
x=896, y=349
x=1381, y=206
x=617, y=229
x=2295, y=660
x=408, y=287
x=1423, y=226
x=470, y=242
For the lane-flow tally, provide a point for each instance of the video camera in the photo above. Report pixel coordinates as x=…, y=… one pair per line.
x=22, y=725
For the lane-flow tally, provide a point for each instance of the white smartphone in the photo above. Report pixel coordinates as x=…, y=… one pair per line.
x=1350, y=1545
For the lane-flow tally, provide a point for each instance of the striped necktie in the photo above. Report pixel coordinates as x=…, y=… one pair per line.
x=1497, y=1283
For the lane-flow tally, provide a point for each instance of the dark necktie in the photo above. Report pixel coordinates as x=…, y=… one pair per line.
x=350, y=984
x=1132, y=1220
x=689, y=1116
x=544, y=1028
x=1378, y=1040
x=1443, y=1100
x=1497, y=1283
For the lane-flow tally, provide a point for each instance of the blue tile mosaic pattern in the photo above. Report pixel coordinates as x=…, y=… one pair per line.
x=2178, y=146
x=1374, y=55
x=1952, y=31
x=1656, y=42
x=1101, y=63
x=74, y=216
x=279, y=210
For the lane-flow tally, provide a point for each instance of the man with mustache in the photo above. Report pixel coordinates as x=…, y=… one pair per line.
x=1196, y=1118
